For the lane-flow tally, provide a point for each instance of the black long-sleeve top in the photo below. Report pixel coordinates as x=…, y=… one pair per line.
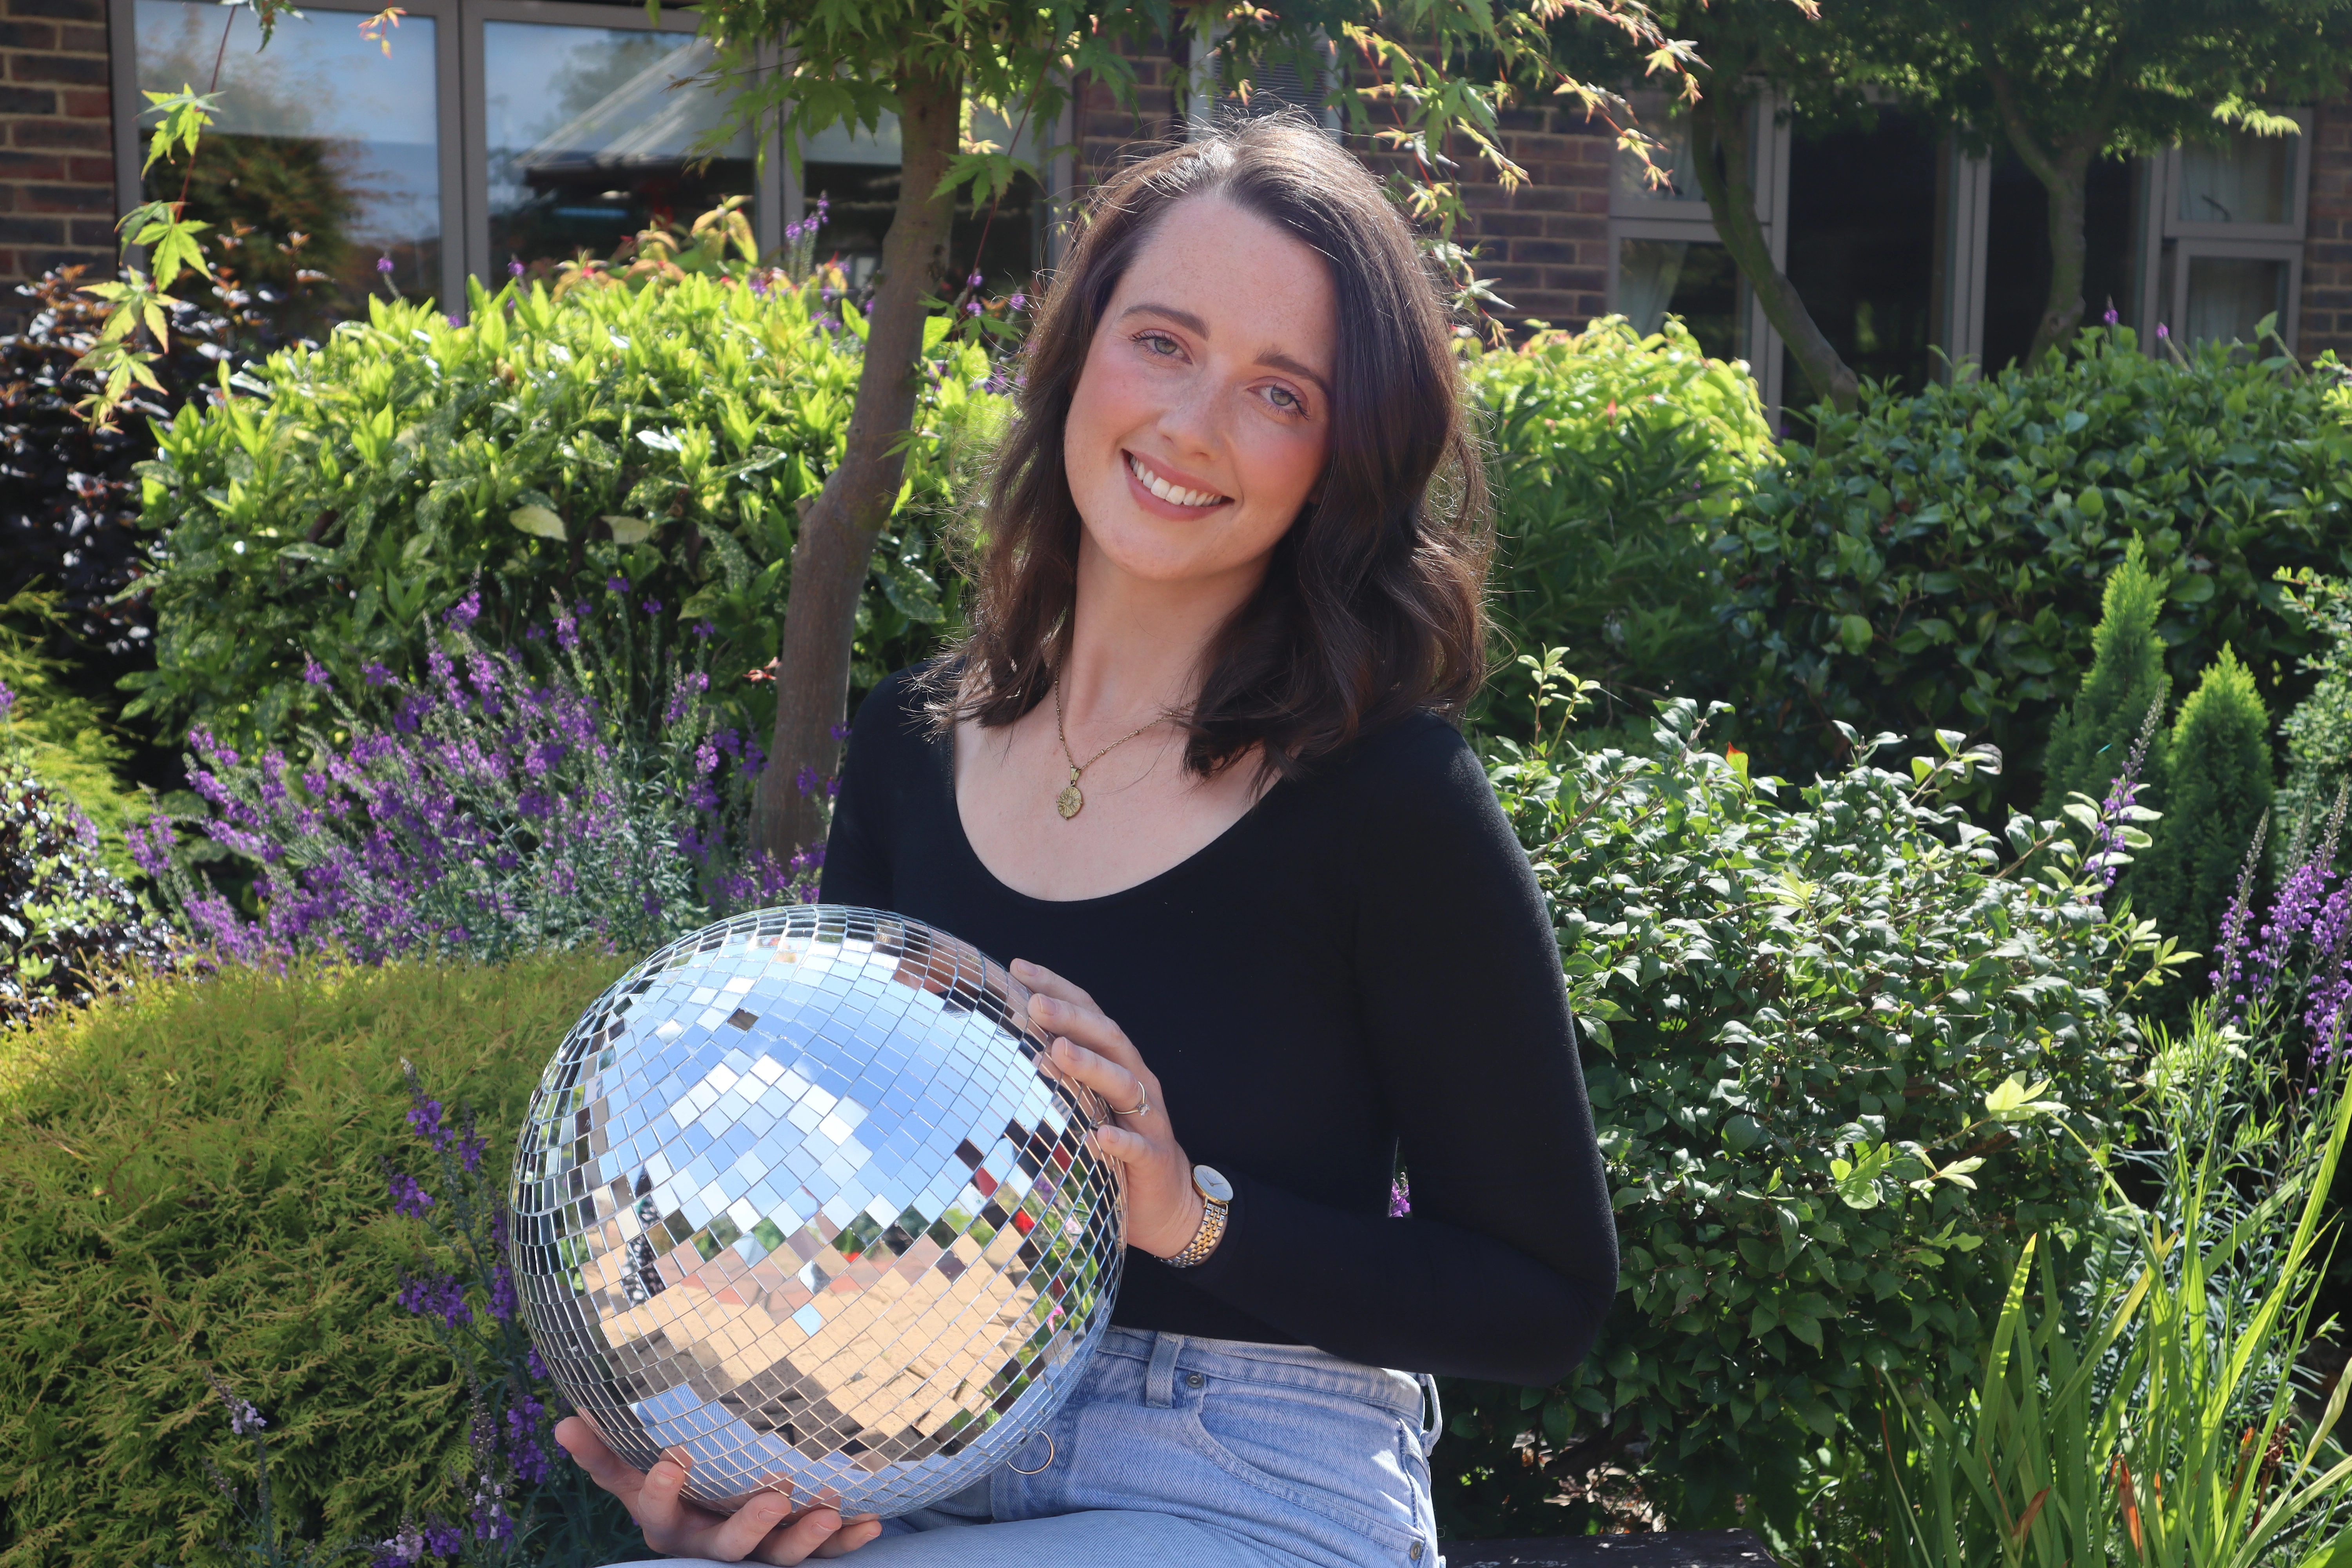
x=1361, y=967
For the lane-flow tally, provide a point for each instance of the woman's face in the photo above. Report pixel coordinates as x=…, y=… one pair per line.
x=1202, y=421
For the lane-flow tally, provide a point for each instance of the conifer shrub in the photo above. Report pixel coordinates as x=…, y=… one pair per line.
x=2095, y=732
x=2217, y=792
x=192, y=1182
x=1938, y=561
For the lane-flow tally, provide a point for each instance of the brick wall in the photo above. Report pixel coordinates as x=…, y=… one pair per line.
x=57, y=140
x=1543, y=246
x=2326, y=320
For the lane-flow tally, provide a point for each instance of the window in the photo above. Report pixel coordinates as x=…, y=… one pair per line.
x=855, y=172
x=494, y=133
x=2230, y=237
x=1667, y=257
x=318, y=199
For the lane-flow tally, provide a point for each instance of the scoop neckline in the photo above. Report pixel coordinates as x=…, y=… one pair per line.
x=944, y=761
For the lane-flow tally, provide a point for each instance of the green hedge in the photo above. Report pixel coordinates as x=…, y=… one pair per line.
x=336, y=499
x=1938, y=561
x=189, y=1180
x=1798, y=1005
x=1616, y=459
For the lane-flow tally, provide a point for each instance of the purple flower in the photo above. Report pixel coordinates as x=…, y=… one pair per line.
x=435, y=1296
x=2111, y=317
x=375, y=673
x=2162, y=330
x=839, y=732
x=1019, y=302
x=465, y=611
x=7, y=700
x=443, y=1540
x=384, y=265
x=1399, y=1198
x=314, y=673
x=455, y=320
x=408, y=1199
x=617, y=585
x=805, y=781
x=705, y=630
x=791, y=233
x=536, y=1367
x=424, y=1119
x=514, y=267
x=972, y=309
x=653, y=606
x=973, y=281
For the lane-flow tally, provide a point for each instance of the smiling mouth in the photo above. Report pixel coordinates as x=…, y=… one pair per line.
x=1175, y=495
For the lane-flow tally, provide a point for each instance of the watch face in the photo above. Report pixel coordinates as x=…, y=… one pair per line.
x=1213, y=1184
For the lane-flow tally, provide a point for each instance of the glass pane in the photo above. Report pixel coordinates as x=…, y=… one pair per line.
x=1673, y=160
x=855, y=172
x=311, y=193
x=2228, y=294
x=2247, y=179
x=1862, y=242
x=1690, y=279
x=593, y=135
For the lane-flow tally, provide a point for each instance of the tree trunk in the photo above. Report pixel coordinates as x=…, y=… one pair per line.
x=1720, y=123
x=2065, y=171
x=836, y=535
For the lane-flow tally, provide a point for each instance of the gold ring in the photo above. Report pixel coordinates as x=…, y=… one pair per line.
x=1140, y=1107
x=1040, y=1469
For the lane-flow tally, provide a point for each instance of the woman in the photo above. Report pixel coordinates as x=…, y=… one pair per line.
x=1191, y=772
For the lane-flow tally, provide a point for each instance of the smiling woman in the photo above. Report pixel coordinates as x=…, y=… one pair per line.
x=1193, y=773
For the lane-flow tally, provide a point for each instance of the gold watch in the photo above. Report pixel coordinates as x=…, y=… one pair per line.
x=1216, y=1198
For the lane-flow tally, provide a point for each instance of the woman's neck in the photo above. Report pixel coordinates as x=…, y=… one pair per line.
x=1138, y=647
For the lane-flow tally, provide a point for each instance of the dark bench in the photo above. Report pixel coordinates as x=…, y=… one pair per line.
x=1664, y=1549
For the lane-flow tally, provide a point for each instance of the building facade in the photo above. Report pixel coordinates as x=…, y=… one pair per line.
x=479, y=138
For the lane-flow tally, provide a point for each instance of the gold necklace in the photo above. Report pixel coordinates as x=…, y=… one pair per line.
x=1070, y=802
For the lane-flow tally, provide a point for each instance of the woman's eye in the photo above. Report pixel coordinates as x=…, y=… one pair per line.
x=1158, y=343
x=1282, y=397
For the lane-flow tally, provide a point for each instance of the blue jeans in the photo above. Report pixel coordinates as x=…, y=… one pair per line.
x=1207, y=1453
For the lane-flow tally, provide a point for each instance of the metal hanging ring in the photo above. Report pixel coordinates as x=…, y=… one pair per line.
x=1040, y=1469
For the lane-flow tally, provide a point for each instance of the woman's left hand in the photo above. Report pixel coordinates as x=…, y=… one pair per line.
x=1163, y=1211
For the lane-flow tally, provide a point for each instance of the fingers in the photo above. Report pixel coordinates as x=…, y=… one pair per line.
x=1118, y=1087
x=1037, y=977
x=850, y=1537
x=589, y=1450
x=1089, y=1028
x=812, y=1534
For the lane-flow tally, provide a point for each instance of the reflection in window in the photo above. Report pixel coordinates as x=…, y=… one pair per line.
x=1673, y=160
x=1692, y=279
x=592, y=136
x=2228, y=294
x=1862, y=242
x=2247, y=179
x=855, y=172
x=316, y=198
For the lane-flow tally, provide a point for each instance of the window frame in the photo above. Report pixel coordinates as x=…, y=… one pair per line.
x=1638, y=217
x=122, y=28
x=2181, y=252
x=2298, y=204
x=767, y=197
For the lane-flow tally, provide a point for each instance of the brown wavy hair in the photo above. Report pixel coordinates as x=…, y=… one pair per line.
x=1372, y=606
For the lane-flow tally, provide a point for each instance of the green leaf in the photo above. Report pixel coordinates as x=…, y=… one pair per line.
x=537, y=522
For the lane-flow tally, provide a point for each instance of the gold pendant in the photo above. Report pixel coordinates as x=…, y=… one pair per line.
x=1068, y=802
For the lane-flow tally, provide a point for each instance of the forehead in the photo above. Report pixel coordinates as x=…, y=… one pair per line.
x=1256, y=285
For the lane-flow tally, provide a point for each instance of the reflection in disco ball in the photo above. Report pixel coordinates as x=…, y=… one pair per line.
x=800, y=1194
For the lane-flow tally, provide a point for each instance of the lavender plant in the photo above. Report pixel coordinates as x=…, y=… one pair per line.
x=257, y=1514
x=577, y=789
x=522, y=1504
x=2294, y=974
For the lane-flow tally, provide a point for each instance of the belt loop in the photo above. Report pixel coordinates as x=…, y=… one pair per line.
x=1159, y=1377
x=1435, y=1428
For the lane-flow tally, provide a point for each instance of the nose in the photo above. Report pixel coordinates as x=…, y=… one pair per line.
x=1192, y=420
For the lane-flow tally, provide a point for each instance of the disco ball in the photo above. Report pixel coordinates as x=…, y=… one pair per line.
x=802, y=1196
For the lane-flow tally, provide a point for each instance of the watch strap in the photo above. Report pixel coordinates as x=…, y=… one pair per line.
x=1204, y=1240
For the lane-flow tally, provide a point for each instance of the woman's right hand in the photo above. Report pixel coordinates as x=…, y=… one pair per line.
x=764, y=1531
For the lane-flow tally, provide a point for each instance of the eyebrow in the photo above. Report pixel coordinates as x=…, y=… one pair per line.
x=1191, y=324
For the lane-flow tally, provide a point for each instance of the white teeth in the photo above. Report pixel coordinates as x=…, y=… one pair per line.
x=1167, y=491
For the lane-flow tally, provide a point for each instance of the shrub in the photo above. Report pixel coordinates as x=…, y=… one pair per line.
x=506, y=805
x=2095, y=732
x=2216, y=795
x=58, y=732
x=69, y=929
x=192, y=1182
x=662, y=433
x=2318, y=732
x=1818, y=1025
x=1616, y=459
x=1936, y=561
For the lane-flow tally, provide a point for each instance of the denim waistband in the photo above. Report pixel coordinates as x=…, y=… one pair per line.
x=1298, y=1366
